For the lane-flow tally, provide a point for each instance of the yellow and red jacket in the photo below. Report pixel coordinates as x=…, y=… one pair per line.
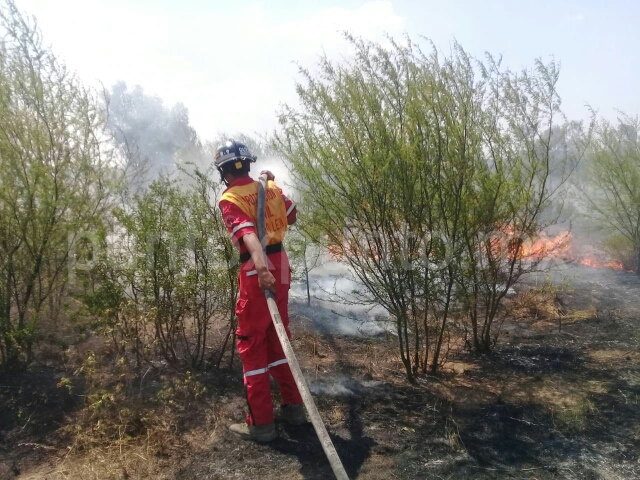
x=239, y=209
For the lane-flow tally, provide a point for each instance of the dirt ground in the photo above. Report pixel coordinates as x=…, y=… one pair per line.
x=545, y=404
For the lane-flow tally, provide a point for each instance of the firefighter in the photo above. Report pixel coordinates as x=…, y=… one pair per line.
x=257, y=342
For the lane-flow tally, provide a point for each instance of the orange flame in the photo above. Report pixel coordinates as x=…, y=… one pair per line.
x=596, y=263
x=561, y=247
x=548, y=247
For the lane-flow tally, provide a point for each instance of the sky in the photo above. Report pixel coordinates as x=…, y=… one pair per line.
x=233, y=63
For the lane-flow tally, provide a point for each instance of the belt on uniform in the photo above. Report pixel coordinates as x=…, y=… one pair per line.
x=275, y=248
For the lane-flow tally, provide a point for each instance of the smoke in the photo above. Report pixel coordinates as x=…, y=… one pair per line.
x=280, y=169
x=336, y=306
x=339, y=319
x=335, y=388
x=154, y=137
x=342, y=386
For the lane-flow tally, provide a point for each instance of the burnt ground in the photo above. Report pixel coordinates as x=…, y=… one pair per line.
x=546, y=404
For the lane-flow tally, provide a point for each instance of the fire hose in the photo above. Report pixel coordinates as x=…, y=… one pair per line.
x=316, y=420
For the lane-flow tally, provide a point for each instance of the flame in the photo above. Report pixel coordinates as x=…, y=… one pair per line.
x=560, y=247
x=544, y=246
x=548, y=247
x=335, y=252
x=596, y=263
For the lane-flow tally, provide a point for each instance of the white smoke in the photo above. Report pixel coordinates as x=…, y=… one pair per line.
x=336, y=307
x=279, y=168
x=342, y=386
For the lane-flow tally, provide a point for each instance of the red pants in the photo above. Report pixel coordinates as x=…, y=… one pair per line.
x=258, y=344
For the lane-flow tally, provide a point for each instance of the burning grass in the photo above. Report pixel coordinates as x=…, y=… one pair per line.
x=615, y=253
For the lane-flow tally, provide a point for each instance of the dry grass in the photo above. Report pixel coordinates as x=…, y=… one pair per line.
x=606, y=356
x=337, y=415
x=374, y=359
x=536, y=303
x=151, y=454
x=580, y=315
x=458, y=367
x=132, y=424
x=113, y=462
x=452, y=433
x=543, y=307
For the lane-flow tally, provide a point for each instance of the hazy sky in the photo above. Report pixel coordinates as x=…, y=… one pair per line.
x=232, y=62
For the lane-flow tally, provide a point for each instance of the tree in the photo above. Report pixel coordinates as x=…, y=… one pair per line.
x=530, y=151
x=58, y=176
x=412, y=165
x=365, y=154
x=613, y=175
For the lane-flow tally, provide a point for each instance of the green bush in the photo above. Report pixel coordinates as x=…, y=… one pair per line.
x=167, y=276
